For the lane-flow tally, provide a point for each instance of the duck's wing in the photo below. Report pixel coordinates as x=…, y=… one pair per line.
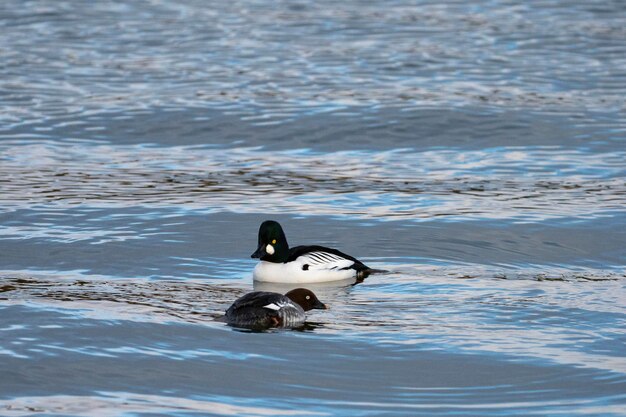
x=259, y=300
x=323, y=258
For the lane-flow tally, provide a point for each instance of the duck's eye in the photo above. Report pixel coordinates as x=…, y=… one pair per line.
x=273, y=241
x=308, y=297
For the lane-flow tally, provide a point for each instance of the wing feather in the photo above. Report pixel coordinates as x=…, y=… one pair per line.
x=321, y=261
x=323, y=258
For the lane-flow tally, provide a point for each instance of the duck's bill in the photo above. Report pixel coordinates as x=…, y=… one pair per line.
x=321, y=306
x=260, y=252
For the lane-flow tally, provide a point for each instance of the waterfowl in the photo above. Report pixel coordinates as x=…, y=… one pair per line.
x=301, y=264
x=262, y=309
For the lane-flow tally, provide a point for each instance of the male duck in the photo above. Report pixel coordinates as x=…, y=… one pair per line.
x=301, y=264
x=260, y=309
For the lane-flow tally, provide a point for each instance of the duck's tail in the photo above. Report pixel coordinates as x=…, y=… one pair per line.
x=364, y=273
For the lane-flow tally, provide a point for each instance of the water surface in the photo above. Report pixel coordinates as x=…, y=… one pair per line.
x=473, y=150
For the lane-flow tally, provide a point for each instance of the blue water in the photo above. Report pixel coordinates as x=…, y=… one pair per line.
x=475, y=150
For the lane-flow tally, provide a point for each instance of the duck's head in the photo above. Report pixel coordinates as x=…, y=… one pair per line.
x=273, y=246
x=306, y=299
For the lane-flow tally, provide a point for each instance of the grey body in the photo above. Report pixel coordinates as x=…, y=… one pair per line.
x=265, y=309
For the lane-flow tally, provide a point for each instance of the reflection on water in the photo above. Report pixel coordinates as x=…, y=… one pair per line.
x=118, y=403
x=131, y=300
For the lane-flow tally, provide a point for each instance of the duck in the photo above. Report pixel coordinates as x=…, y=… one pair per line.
x=264, y=309
x=301, y=264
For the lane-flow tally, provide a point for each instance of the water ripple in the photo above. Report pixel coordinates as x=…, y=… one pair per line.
x=475, y=149
x=523, y=184
x=547, y=55
x=415, y=307
x=110, y=404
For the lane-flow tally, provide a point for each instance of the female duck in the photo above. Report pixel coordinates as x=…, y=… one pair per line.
x=262, y=309
x=301, y=264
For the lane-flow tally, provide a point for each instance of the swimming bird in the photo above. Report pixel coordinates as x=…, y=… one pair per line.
x=301, y=264
x=261, y=309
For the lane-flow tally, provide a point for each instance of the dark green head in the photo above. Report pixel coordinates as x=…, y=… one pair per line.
x=273, y=246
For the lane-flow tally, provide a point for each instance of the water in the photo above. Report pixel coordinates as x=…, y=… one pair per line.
x=473, y=150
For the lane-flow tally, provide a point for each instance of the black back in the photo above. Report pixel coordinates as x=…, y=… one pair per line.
x=249, y=310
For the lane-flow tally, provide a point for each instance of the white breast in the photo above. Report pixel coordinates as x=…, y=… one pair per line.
x=311, y=267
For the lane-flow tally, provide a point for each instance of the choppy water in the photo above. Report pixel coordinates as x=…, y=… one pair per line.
x=473, y=149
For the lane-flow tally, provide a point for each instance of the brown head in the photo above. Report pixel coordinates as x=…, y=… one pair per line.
x=305, y=298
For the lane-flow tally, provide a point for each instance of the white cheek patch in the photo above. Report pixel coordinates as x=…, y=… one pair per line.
x=272, y=306
x=269, y=249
